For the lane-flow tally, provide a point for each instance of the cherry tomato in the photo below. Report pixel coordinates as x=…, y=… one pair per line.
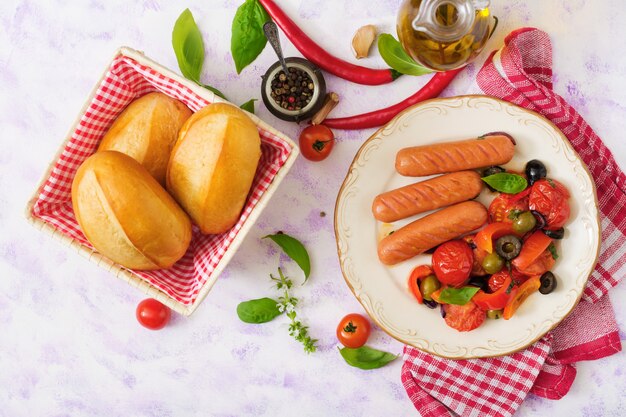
x=502, y=205
x=453, y=262
x=353, y=330
x=316, y=142
x=498, y=299
x=496, y=281
x=152, y=314
x=418, y=273
x=464, y=318
x=531, y=249
x=543, y=263
x=549, y=198
x=520, y=296
x=479, y=255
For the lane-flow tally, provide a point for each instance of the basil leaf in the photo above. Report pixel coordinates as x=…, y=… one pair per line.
x=295, y=250
x=214, y=90
x=553, y=252
x=248, y=39
x=188, y=46
x=249, y=105
x=366, y=357
x=189, y=49
x=506, y=183
x=395, y=56
x=257, y=311
x=458, y=296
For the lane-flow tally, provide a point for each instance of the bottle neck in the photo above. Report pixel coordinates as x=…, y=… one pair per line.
x=447, y=20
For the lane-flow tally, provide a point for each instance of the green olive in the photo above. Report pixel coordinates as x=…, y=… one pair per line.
x=525, y=222
x=493, y=263
x=494, y=314
x=429, y=285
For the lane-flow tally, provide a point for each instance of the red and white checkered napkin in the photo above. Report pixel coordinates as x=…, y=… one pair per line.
x=522, y=74
x=125, y=81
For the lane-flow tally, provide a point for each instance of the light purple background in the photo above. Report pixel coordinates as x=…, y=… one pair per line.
x=69, y=342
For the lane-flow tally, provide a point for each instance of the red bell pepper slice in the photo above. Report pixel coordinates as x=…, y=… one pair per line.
x=485, y=237
x=496, y=300
x=532, y=248
x=522, y=293
x=419, y=272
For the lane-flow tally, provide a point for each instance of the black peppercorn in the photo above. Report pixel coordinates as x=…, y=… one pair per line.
x=292, y=91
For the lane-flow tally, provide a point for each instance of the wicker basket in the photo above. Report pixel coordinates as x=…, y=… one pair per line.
x=131, y=75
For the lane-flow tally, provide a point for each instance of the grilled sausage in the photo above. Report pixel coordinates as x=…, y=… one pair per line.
x=419, y=161
x=426, y=195
x=430, y=231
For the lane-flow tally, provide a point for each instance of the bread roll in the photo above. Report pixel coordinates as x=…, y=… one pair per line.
x=213, y=164
x=147, y=130
x=126, y=215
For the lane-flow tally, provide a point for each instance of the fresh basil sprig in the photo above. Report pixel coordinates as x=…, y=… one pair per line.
x=506, y=183
x=248, y=39
x=458, y=296
x=257, y=311
x=189, y=49
x=394, y=55
x=295, y=250
x=249, y=105
x=366, y=357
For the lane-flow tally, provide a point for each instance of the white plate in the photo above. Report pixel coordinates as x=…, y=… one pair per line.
x=383, y=290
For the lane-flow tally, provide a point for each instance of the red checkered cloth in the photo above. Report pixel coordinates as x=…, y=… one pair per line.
x=522, y=74
x=125, y=81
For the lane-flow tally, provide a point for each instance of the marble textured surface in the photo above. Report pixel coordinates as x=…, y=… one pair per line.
x=70, y=345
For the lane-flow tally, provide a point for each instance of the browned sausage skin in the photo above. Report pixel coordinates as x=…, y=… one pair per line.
x=439, y=158
x=430, y=231
x=426, y=195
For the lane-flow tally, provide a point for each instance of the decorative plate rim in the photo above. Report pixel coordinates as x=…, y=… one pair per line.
x=391, y=124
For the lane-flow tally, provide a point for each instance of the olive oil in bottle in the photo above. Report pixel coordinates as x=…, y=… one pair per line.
x=443, y=34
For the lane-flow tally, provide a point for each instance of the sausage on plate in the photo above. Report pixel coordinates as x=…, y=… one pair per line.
x=418, y=161
x=430, y=231
x=426, y=195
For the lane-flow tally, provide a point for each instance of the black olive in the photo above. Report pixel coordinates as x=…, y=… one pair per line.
x=555, y=234
x=508, y=247
x=535, y=170
x=480, y=282
x=494, y=169
x=442, y=311
x=541, y=221
x=430, y=304
x=548, y=283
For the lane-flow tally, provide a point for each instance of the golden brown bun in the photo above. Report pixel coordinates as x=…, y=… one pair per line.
x=147, y=130
x=126, y=215
x=213, y=164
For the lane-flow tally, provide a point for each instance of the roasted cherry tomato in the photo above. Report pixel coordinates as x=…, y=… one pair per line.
x=543, y=263
x=534, y=246
x=479, y=256
x=152, y=314
x=522, y=293
x=496, y=281
x=316, y=142
x=418, y=273
x=353, y=330
x=501, y=206
x=464, y=318
x=453, y=262
x=549, y=198
x=498, y=299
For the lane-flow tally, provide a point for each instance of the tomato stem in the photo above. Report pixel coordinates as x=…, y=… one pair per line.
x=350, y=328
x=319, y=145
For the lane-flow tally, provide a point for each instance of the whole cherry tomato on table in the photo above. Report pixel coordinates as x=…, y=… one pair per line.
x=549, y=198
x=152, y=314
x=316, y=142
x=453, y=262
x=353, y=330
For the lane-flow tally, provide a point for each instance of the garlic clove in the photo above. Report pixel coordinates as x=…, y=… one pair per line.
x=362, y=41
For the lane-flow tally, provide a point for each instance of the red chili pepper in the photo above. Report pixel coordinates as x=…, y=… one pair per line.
x=376, y=118
x=314, y=53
